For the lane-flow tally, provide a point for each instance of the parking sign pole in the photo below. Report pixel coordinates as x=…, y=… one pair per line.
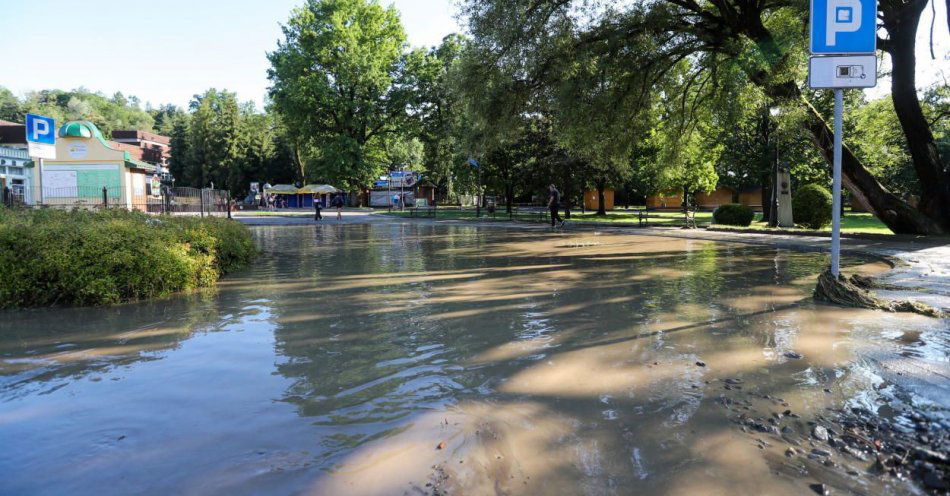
x=836, y=185
x=39, y=178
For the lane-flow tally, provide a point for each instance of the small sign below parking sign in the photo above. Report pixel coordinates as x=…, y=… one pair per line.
x=857, y=71
x=843, y=27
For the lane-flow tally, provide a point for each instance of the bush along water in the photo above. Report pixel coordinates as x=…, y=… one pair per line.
x=733, y=214
x=52, y=257
x=812, y=206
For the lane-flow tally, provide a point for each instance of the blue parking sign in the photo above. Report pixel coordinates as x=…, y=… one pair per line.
x=40, y=129
x=41, y=136
x=843, y=27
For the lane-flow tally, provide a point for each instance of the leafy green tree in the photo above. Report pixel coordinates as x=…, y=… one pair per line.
x=340, y=83
x=178, y=162
x=10, y=109
x=217, y=142
x=764, y=40
x=439, y=111
x=878, y=139
x=108, y=114
x=165, y=117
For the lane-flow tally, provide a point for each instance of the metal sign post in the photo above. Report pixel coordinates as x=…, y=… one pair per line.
x=836, y=185
x=843, y=43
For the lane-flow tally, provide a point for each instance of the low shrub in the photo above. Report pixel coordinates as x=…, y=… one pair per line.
x=811, y=206
x=733, y=214
x=96, y=258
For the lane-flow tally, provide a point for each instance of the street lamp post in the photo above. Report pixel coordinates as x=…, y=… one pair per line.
x=478, y=193
x=773, y=204
x=402, y=184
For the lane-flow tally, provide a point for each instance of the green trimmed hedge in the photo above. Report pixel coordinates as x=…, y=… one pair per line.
x=52, y=257
x=733, y=214
x=811, y=206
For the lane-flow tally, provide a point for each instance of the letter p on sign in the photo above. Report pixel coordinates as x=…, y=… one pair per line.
x=40, y=128
x=844, y=16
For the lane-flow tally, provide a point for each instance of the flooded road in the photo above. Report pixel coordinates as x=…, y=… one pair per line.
x=399, y=358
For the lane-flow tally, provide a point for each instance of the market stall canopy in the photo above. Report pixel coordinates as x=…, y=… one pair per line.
x=310, y=189
x=282, y=189
x=317, y=189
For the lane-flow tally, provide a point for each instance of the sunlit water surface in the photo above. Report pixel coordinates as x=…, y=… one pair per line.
x=541, y=364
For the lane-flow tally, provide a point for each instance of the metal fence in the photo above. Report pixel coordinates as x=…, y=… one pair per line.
x=167, y=200
x=195, y=201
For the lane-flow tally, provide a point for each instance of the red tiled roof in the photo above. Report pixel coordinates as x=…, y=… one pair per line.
x=12, y=133
x=134, y=151
x=141, y=135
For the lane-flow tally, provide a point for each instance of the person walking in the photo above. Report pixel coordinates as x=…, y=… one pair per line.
x=316, y=208
x=554, y=199
x=338, y=203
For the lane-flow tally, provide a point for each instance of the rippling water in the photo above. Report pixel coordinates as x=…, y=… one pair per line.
x=540, y=363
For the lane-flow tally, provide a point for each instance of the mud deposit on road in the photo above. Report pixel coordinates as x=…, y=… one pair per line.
x=390, y=358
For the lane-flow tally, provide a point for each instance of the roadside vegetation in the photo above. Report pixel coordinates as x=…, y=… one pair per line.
x=50, y=257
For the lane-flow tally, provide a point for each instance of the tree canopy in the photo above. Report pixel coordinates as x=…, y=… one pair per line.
x=341, y=80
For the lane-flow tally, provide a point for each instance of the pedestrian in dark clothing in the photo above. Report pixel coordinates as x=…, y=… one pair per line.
x=316, y=208
x=553, y=201
x=338, y=203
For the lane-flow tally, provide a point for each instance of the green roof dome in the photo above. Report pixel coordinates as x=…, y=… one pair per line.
x=79, y=129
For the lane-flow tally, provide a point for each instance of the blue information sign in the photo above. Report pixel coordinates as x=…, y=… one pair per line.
x=843, y=27
x=40, y=129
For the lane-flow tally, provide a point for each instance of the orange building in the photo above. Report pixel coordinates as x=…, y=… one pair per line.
x=591, y=202
x=665, y=200
x=751, y=197
x=721, y=196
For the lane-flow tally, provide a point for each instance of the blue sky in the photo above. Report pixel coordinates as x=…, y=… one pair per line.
x=167, y=50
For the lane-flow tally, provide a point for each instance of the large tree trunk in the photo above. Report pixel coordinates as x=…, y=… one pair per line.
x=901, y=21
x=766, y=200
x=897, y=214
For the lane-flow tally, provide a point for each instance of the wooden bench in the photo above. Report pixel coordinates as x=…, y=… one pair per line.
x=422, y=212
x=690, y=218
x=529, y=214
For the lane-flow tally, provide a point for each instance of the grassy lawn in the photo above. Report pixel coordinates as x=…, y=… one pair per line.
x=290, y=212
x=630, y=217
x=453, y=214
x=854, y=223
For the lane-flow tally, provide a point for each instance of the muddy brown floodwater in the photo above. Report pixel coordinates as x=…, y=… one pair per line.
x=450, y=359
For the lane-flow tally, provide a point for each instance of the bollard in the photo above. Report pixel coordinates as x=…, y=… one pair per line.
x=105, y=197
